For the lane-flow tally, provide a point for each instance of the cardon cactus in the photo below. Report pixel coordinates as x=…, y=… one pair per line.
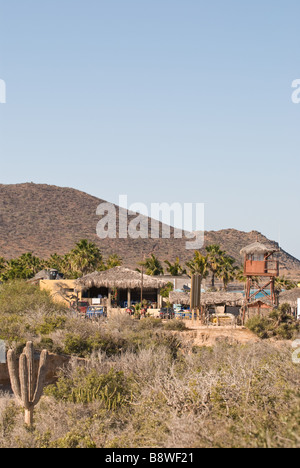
x=27, y=389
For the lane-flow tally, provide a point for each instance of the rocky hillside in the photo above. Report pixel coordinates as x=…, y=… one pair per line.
x=46, y=219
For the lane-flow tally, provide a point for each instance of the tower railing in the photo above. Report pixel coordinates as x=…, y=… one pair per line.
x=261, y=268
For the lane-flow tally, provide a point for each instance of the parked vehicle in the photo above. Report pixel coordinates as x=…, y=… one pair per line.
x=96, y=312
x=166, y=313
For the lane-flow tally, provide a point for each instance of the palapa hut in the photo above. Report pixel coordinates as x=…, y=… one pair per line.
x=258, y=249
x=220, y=302
x=121, y=286
x=261, y=307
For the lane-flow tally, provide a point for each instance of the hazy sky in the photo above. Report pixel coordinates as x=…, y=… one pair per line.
x=162, y=100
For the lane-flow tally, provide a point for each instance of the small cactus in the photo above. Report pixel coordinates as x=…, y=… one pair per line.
x=26, y=388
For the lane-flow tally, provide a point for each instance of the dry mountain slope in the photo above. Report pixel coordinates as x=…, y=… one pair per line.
x=45, y=219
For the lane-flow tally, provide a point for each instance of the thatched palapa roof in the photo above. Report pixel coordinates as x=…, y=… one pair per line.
x=120, y=278
x=290, y=297
x=209, y=298
x=258, y=248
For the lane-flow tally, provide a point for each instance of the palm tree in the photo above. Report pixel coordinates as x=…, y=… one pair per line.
x=227, y=271
x=215, y=258
x=23, y=267
x=240, y=276
x=12, y=271
x=30, y=264
x=175, y=269
x=152, y=266
x=282, y=283
x=85, y=258
x=56, y=262
x=199, y=266
x=113, y=261
x=2, y=263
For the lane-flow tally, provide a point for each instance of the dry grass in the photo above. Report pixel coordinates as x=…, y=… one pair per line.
x=226, y=396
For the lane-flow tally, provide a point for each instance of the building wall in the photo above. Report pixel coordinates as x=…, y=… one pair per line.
x=259, y=309
x=61, y=290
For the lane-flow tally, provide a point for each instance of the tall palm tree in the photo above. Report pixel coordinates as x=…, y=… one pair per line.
x=152, y=266
x=86, y=257
x=215, y=256
x=199, y=266
x=175, y=269
x=227, y=271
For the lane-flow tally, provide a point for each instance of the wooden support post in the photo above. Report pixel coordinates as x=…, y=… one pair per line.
x=129, y=297
x=109, y=299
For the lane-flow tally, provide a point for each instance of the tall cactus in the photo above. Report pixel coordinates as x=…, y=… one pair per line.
x=27, y=389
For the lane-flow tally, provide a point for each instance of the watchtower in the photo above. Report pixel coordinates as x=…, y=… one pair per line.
x=261, y=269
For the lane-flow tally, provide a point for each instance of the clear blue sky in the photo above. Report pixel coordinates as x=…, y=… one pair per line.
x=162, y=100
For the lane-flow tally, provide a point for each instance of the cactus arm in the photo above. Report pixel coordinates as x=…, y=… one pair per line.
x=30, y=359
x=14, y=375
x=23, y=373
x=40, y=378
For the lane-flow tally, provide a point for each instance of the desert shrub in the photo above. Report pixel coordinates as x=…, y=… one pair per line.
x=82, y=386
x=278, y=324
x=259, y=325
x=175, y=325
x=50, y=323
x=74, y=440
x=8, y=413
x=26, y=312
x=244, y=396
x=18, y=297
x=149, y=324
x=84, y=346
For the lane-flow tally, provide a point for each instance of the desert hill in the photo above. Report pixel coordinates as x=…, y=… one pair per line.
x=46, y=219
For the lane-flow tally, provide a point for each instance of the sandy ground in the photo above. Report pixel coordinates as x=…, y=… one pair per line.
x=208, y=336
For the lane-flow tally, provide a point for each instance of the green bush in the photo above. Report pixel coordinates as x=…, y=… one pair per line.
x=26, y=312
x=278, y=324
x=50, y=324
x=260, y=326
x=84, y=387
x=83, y=346
x=175, y=325
x=18, y=297
x=149, y=324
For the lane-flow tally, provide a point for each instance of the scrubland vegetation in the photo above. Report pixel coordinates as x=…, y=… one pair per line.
x=141, y=384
